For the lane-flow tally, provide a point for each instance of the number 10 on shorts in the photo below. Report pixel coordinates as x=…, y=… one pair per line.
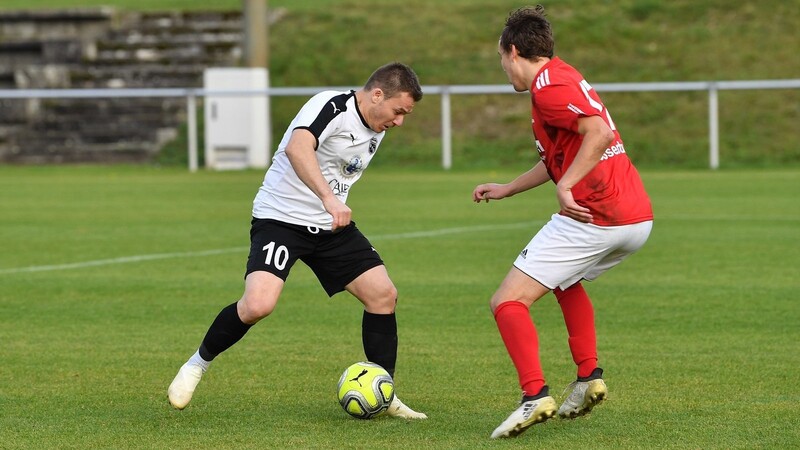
x=281, y=255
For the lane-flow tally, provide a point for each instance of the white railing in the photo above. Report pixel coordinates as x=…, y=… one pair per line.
x=191, y=94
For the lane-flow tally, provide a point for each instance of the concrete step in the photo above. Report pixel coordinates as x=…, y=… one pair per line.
x=73, y=109
x=55, y=153
x=123, y=127
x=9, y=130
x=75, y=15
x=109, y=133
x=137, y=76
x=194, y=20
x=168, y=39
x=197, y=53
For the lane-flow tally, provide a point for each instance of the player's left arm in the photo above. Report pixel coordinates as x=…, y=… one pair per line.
x=597, y=136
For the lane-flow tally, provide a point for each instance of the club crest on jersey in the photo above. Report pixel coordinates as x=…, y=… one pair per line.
x=353, y=166
x=373, y=145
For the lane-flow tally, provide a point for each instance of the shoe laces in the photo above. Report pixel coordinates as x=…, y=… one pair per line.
x=571, y=387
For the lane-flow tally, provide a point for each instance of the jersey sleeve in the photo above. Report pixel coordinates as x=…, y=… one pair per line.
x=561, y=105
x=321, y=115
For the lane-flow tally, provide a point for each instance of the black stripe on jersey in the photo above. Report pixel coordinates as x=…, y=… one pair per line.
x=332, y=108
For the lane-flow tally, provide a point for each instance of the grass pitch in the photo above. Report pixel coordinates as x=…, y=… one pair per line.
x=109, y=277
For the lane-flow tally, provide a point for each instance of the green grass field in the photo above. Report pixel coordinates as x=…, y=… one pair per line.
x=109, y=277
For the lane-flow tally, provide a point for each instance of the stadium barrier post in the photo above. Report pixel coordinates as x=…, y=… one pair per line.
x=713, y=126
x=447, y=145
x=191, y=120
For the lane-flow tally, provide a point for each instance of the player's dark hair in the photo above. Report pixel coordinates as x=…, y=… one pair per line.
x=393, y=79
x=528, y=30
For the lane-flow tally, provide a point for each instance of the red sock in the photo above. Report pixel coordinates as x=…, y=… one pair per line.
x=519, y=334
x=579, y=318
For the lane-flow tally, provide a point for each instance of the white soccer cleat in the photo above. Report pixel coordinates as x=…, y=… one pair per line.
x=586, y=394
x=183, y=386
x=399, y=409
x=529, y=413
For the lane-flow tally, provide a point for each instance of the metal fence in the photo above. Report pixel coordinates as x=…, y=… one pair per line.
x=446, y=91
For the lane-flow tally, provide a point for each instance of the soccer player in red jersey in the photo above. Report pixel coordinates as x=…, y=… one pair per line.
x=605, y=216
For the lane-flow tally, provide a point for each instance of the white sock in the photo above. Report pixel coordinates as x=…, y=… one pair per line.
x=198, y=361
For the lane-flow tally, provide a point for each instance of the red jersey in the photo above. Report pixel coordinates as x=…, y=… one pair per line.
x=612, y=190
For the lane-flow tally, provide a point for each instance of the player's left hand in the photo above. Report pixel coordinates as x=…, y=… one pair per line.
x=570, y=208
x=340, y=212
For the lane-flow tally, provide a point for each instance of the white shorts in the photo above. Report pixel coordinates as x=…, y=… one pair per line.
x=566, y=251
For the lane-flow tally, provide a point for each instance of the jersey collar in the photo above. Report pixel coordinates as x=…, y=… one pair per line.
x=358, y=110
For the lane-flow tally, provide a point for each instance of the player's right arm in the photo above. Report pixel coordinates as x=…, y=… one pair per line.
x=534, y=177
x=302, y=155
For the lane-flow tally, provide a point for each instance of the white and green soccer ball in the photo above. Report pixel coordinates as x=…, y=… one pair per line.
x=365, y=390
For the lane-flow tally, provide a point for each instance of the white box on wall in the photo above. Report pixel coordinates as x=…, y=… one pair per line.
x=236, y=126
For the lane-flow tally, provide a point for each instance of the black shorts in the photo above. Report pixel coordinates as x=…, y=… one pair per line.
x=337, y=258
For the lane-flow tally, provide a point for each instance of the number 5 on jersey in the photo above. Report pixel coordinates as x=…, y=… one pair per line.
x=586, y=87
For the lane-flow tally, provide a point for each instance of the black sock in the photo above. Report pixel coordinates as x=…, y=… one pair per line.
x=543, y=392
x=226, y=330
x=379, y=336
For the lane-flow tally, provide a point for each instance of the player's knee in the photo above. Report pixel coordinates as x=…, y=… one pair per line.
x=253, y=308
x=388, y=301
x=391, y=295
x=383, y=302
x=495, y=301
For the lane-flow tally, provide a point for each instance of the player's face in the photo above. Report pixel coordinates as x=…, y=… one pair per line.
x=511, y=68
x=388, y=112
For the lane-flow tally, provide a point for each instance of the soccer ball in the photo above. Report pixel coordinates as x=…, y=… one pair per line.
x=365, y=390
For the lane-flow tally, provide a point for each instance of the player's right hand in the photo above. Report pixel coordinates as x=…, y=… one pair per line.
x=487, y=191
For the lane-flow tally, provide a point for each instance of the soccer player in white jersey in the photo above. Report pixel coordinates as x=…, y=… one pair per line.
x=300, y=212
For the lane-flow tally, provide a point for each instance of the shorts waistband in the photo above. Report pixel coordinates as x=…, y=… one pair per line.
x=311, y=229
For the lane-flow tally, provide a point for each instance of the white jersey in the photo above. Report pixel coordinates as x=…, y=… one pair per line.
x=345, y=146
